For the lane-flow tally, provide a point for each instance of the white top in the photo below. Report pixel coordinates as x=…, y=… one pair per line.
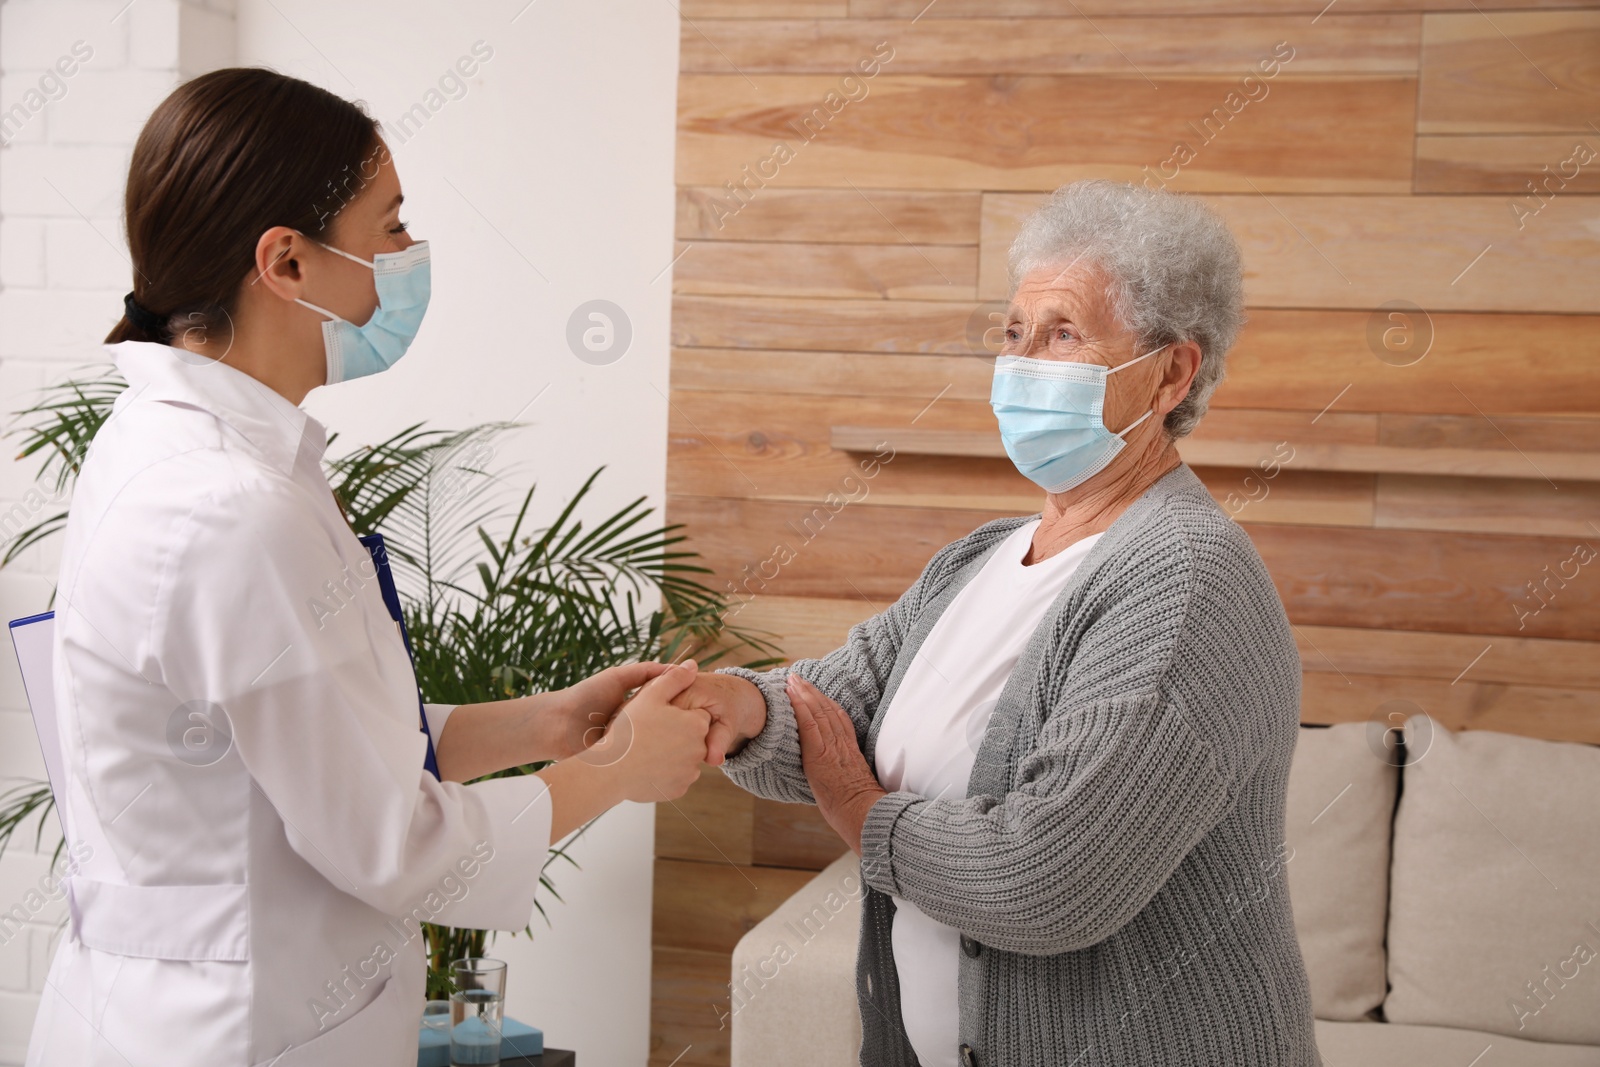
x=928, y=741
x=253, y=836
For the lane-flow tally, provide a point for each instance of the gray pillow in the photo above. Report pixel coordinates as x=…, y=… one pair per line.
x=1341, y=809
x=1494, y=918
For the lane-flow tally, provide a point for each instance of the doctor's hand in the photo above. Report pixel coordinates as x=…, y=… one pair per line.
x=653, y=749
x=738, y=712
x=578, y=716
x=840, y=778
x=649, y=751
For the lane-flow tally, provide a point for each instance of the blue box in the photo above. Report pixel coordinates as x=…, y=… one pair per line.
x=516, y=1039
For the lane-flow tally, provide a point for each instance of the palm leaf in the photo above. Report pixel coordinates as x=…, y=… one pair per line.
x=17, y=804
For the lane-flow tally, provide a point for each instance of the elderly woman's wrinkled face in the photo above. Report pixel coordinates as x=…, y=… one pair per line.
x=1064, y=313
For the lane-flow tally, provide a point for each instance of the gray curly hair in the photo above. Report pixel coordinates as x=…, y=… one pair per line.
x=1173, y=270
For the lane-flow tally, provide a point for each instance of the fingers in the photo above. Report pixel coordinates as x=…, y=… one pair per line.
x=806, y=725
x=719, y=738
x=844, y=730
x=832, y=725
x=699, y=694
x=818, y=697
x=818, y=738
x=697, y=727
x=669, y=683
x=630, y=676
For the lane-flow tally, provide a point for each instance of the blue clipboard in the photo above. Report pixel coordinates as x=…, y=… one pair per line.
x=32, y=638
x=391, y=600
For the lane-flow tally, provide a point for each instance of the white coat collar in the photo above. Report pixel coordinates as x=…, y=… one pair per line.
x=270, y=426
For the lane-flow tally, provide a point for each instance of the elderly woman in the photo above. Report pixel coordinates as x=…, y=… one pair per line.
x=1062, y=754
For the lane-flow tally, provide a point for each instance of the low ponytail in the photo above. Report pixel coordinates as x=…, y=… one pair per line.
x=139, y=323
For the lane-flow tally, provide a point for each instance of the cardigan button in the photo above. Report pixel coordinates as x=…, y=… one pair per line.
x=970, y=947
x=969, y=1058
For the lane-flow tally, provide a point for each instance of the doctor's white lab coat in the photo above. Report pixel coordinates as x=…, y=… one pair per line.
x=245, y=786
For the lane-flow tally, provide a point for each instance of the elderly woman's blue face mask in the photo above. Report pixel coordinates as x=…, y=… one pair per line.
x=1052, y=422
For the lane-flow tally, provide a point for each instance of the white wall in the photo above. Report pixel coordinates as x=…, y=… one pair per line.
x=547, y=184
x=64, y=145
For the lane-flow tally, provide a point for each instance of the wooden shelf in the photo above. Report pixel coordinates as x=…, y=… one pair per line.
x=1380, y=459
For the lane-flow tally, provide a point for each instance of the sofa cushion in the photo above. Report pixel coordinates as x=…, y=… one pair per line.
x=1341, y=807
x=1397, y=1045
x=1494, y=915
x=793, y=995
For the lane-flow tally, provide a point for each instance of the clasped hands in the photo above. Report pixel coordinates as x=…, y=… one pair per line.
x=682, y=718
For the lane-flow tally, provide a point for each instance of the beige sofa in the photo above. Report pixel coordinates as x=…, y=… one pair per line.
x=1456, y=899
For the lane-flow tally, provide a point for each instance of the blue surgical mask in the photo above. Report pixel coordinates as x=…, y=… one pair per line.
x=1051, y=417
x=403, y=280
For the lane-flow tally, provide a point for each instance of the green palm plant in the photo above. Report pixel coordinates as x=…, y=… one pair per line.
x=492, y=615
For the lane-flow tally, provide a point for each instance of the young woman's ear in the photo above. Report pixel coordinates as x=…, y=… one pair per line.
x=278, y=262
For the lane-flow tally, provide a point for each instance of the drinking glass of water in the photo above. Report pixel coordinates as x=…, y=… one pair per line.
x=477, y=1002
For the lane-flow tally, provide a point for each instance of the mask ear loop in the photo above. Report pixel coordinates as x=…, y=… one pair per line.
x=1136, y=359
x=1136, y=422
x=1129, y=428
x=319, y=310
x=337, y=252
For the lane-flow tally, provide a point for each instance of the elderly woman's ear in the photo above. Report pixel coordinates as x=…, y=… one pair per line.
x=1178, y=375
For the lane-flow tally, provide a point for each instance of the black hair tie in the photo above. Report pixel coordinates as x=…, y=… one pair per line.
x=142, y=317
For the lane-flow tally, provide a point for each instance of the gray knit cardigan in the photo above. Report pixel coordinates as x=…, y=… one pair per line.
x=1117, y=866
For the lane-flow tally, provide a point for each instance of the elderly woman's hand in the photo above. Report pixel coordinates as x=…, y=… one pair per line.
x=840, y=778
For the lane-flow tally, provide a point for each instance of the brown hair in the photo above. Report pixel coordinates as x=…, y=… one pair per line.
x=223, y=159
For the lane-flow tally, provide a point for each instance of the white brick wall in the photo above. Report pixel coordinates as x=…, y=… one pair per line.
x=63, y=270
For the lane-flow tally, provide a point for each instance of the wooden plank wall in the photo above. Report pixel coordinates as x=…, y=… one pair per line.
x=850, y=173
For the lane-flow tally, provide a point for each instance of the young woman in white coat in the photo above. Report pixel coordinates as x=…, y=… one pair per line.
x=256, y=829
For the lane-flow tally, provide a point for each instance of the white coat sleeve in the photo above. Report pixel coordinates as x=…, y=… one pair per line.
x=259, y=616
x=437, y=715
